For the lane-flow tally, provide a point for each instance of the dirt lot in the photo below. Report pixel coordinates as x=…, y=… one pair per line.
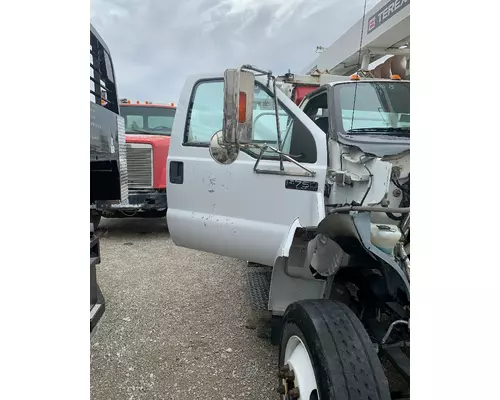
x=175, y=322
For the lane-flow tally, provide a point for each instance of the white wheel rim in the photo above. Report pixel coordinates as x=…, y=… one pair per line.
x=298, y=360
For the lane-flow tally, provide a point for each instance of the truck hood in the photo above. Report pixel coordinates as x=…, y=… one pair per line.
x=155, y=140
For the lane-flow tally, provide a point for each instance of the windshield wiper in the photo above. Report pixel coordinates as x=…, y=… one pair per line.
x=385, y=130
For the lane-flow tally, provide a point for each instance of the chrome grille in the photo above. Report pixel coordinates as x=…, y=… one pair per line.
x=122, y=159
x=140, y=165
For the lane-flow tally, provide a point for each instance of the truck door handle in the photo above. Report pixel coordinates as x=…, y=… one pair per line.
x=176, y=172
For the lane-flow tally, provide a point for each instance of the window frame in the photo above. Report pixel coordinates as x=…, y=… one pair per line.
x=252, y=154
x=185, y=135
x=322, y=91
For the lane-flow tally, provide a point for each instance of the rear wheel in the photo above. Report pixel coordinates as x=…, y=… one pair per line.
x=325, y=353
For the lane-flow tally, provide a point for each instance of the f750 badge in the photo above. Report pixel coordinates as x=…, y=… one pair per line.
x=309, y=186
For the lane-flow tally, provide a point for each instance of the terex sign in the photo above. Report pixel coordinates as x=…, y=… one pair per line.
x=386, y=13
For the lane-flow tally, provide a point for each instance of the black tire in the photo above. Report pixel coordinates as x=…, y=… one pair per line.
x=344, y=361
x=95, y=219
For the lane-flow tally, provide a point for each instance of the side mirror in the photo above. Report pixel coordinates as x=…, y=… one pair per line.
x=222, y=153
x=238, y=107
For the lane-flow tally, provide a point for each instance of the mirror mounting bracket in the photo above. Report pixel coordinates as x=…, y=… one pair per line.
x=270, y=77
x=282, y=171
x=237, y=83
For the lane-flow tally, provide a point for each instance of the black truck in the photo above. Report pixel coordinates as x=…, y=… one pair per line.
x=108, y=161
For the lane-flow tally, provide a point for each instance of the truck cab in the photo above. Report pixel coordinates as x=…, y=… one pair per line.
x=325, y=139
x=317, y=196
x=148, y=128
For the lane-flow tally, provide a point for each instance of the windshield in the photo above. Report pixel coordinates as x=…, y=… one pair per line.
x=374, y=107
x=151, y=120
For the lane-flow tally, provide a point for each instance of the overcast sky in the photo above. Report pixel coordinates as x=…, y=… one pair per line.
x=155, y=44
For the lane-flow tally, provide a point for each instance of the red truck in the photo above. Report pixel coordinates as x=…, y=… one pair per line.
x=148, y=127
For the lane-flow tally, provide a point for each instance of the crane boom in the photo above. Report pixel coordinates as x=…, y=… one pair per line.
x=386, y=32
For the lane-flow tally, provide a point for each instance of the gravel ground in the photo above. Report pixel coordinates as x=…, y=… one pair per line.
x=175, y=322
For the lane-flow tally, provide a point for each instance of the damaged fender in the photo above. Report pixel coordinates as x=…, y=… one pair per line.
x=321, y=253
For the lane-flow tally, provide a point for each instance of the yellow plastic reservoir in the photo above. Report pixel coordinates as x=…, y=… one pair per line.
x=385, y=237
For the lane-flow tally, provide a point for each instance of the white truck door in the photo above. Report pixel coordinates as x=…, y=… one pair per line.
x=230, y=209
